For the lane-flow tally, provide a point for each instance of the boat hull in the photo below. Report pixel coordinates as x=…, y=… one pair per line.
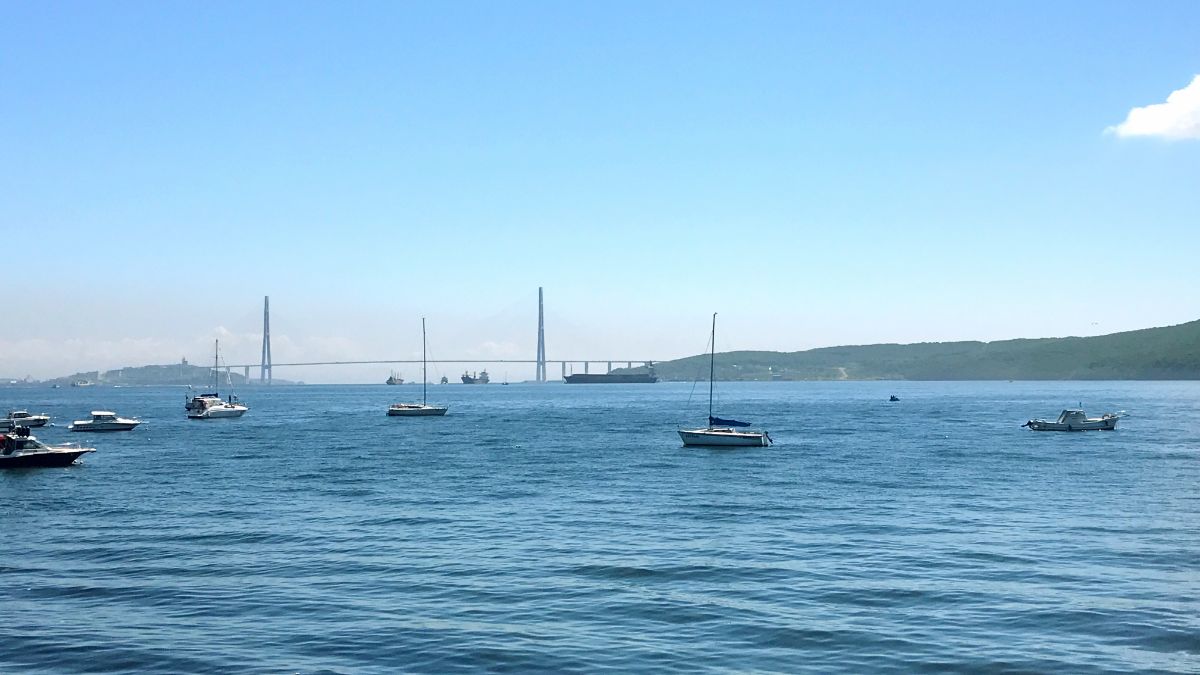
x=1107, y=424
x=724, y=437
x=27, y=422
x=108, y=426
x=50, y=458
x=218, y=413
x=416, y=411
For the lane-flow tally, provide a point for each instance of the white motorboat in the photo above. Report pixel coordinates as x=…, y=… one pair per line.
x=22, y=418
x=212, y=406
x=721, y=432
x=1074, y=419
x=103, y=420
x=20, y=450
x=422, y=409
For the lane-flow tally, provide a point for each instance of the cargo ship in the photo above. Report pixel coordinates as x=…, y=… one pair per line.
x=481, y=378
x=612, y=378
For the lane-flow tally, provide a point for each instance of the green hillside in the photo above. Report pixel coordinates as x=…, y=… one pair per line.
x=1169, y=353
x=174, y=374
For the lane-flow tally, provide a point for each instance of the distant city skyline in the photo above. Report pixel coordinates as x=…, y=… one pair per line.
x=820, y=174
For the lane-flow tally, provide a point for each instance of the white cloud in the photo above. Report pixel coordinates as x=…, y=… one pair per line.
x=1178, y=118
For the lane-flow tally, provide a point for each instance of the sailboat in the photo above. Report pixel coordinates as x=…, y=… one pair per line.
x=211, y=406
x=720, y=431
x=422, y=409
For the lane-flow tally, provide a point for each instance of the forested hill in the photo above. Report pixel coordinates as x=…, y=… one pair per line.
x=1169, y=353
x=174, y=374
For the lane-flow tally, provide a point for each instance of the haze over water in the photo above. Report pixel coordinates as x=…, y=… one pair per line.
x=564, y=528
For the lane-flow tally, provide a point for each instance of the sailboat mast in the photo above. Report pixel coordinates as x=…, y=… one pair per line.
x=216, y=364
x=424, y=380
x=712, y=362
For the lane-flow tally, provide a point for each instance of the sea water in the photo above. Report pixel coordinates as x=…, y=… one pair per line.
x=565, y=528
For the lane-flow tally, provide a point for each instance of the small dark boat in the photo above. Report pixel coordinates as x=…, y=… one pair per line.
x=892, y=399
x=20, y=450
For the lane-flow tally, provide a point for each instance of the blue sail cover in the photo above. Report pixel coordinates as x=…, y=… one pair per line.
x=717, y=421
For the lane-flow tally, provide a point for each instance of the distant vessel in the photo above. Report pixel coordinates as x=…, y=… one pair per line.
x=21, y=418
x=211, y=406
x=423, y=409
x=612, y=378
x=893, y=399
x=481, y=378
x=720, y=432
x=83, y=383
x=103, y=420
x=444, y=380
x=1074, y=419
x=394, y=378
x=20, y=450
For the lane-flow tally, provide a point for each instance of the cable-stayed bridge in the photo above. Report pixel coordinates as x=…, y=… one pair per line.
x=266, y=366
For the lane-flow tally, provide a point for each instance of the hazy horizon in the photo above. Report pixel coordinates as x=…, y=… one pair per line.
x=819, y=174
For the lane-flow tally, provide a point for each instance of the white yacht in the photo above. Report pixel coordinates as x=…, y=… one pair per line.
x=103, y=420
x=212, y=406
x=20, y=450
x=422, y=409
x=22, y=418
x=720, y=432
x=1074, y=419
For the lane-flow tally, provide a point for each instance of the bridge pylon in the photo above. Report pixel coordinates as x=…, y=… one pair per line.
x=541, y=340
x=264, y=369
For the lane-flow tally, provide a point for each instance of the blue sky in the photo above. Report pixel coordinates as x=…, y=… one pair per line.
x=818, y=173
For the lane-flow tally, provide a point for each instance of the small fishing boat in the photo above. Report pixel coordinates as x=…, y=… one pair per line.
x=20, y=450
x=1074, y=419
x=103, y=420
x=422, y=409
x=721, y=432
x=893, y=399
x=22, y=418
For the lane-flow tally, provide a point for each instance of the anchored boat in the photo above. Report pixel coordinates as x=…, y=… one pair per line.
x=721, y=432
x=22, y=418
x=20, y=450
x=1074, y=419
x=422, y=409
x=211, y=406
x=103, y=420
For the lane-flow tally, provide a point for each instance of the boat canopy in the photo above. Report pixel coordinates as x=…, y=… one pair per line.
x=103, y=413
x=715, y=421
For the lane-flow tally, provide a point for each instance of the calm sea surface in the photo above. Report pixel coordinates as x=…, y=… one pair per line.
x=556, y=528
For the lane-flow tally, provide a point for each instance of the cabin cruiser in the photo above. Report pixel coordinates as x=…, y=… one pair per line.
x=22, y=418
x=211, y=406
x=103, y=420
x=20, y=450
x=1074, y=419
